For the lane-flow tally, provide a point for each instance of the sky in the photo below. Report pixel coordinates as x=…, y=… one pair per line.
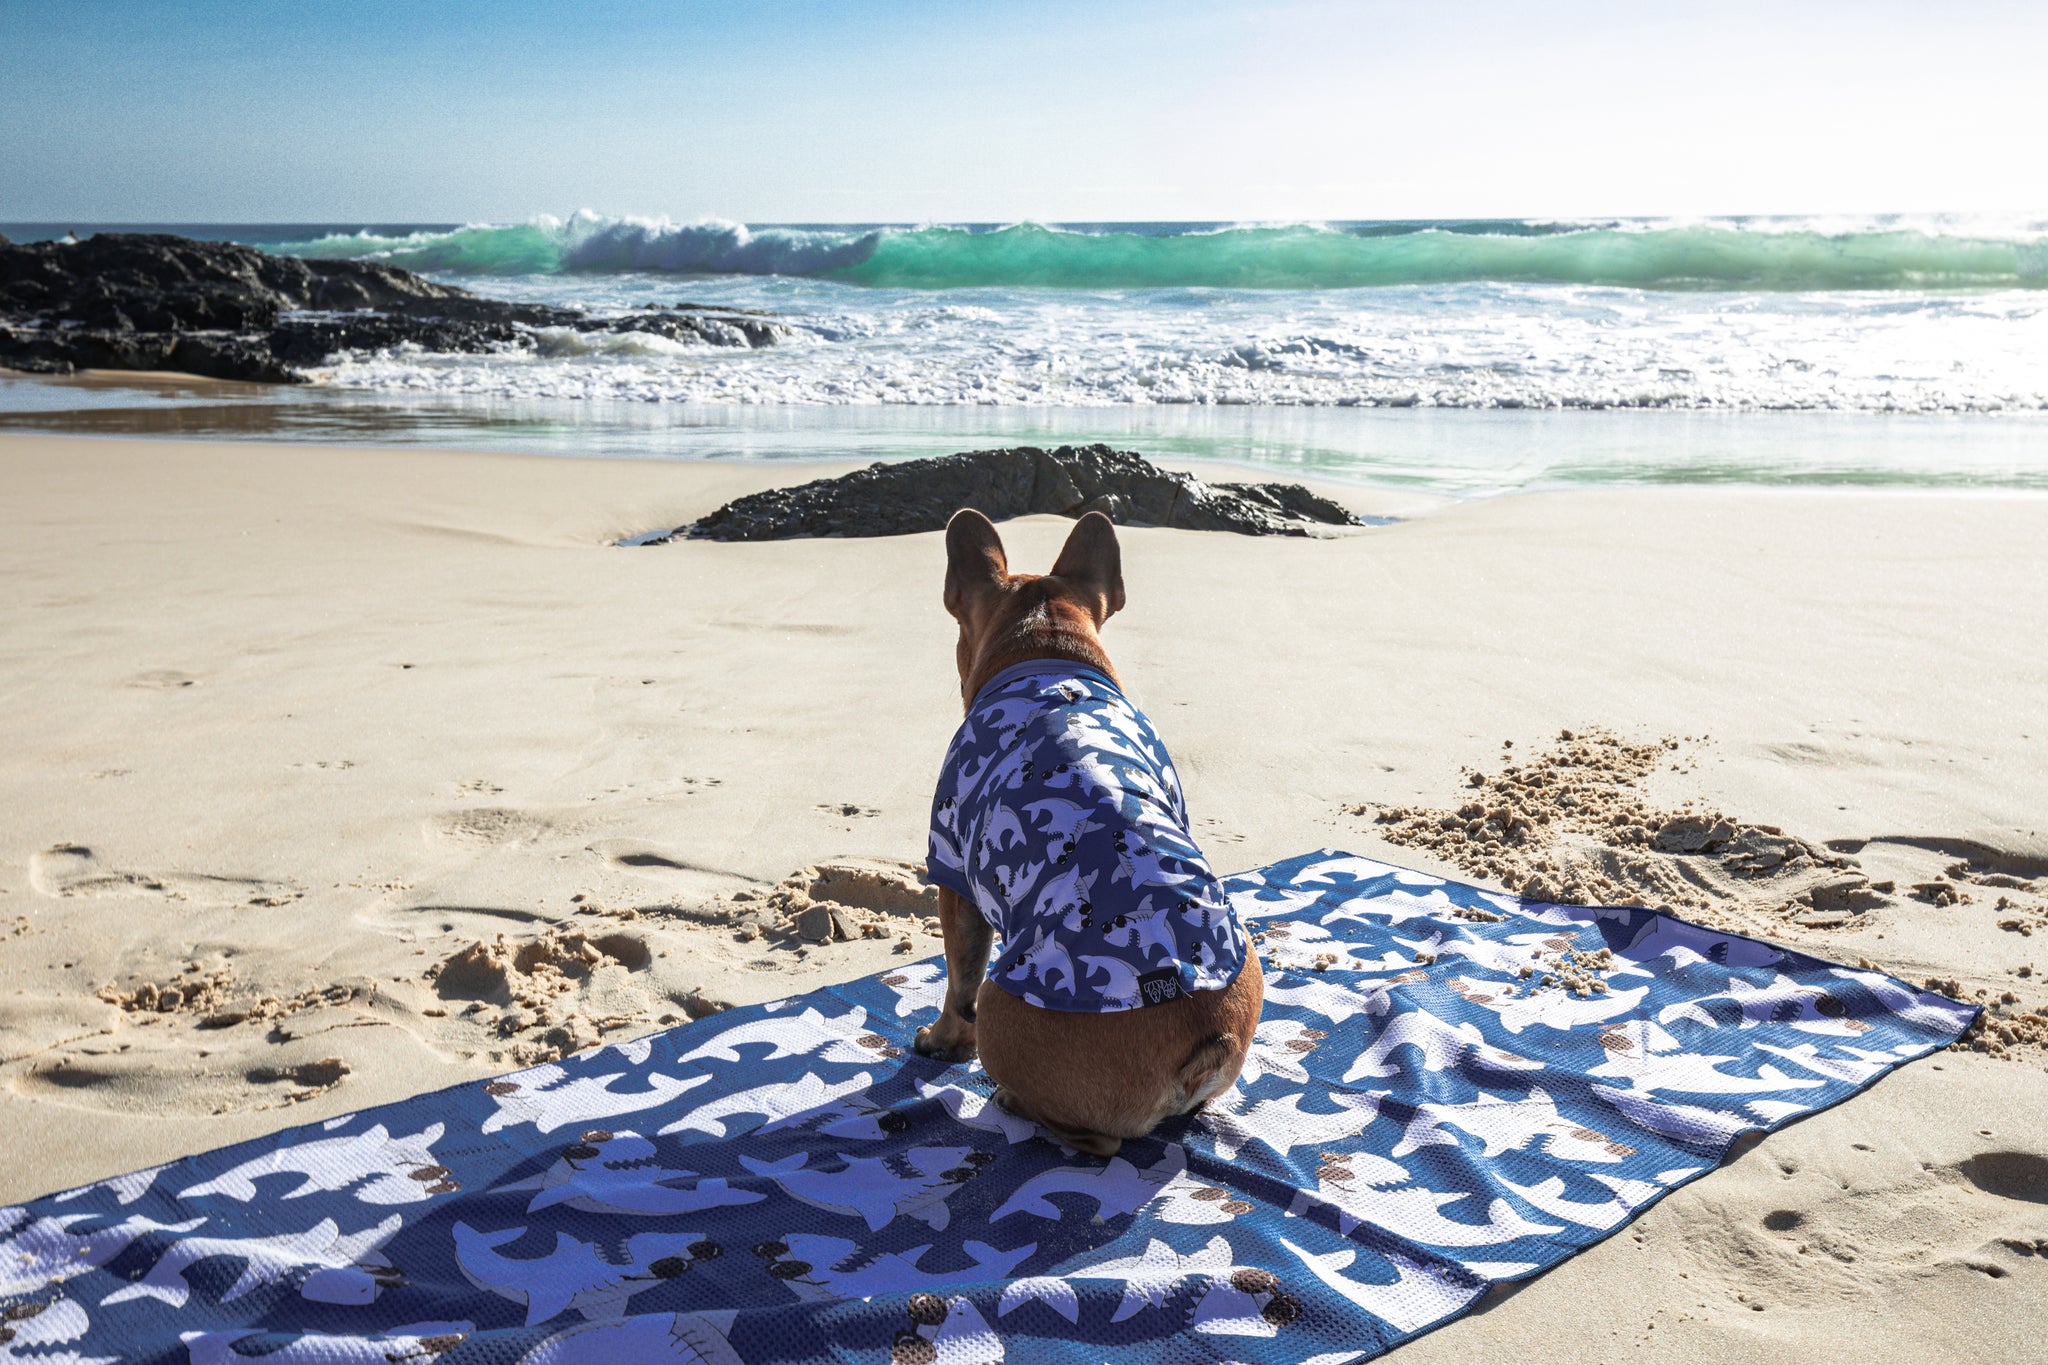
x=949, y=110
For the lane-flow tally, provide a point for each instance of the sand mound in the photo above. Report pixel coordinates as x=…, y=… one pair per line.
x=553, y=988
x=2009, y=1029
x=505, y=972
x=195, y=991
x=841, y=900
x=1573, y=826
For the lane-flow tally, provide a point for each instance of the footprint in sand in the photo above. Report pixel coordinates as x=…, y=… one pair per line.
x=164, y=1082
x=488, y=825
x=75, y=870
x=1968, y=860
x=324, y=1074
x=2020, y=1176
x=632, y=855
x=679, y=874
x=1898, y=1219
x=161, y=680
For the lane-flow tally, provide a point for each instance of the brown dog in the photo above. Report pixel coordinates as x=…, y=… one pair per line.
x=1094, y=1079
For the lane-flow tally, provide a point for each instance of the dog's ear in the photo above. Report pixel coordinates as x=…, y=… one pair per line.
x=1093, y=565
x=975, y=562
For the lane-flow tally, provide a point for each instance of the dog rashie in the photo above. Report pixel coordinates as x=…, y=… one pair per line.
x=1059, y=816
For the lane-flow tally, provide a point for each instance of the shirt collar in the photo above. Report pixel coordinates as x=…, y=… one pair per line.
x=1042, y=668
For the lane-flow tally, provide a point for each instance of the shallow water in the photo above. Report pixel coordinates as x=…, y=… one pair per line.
x=1455, y=452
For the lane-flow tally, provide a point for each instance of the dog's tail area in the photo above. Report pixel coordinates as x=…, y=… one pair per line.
x=1209, y=1070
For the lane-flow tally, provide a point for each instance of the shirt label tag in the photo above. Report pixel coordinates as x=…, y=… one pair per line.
x=1156, y=988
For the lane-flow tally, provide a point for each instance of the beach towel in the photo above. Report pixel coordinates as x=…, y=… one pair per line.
x=1450, y=1088
x=1059, y=816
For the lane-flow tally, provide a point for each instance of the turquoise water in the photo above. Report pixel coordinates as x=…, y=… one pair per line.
x=1735, y=254
x=1457, y=356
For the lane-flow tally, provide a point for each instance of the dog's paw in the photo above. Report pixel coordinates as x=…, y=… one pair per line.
x=929, y=1044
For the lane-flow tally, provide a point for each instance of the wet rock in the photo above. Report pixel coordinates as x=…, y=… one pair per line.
x=153, y=301
x=735, y=328
x=1291, y=500
x=909, y=496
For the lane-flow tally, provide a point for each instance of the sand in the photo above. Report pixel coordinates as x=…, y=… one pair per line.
x=332, y=775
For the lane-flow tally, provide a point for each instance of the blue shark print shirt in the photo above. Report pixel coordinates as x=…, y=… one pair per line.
x=1059, y=816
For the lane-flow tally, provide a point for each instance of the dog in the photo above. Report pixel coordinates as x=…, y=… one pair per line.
x=1126, y=991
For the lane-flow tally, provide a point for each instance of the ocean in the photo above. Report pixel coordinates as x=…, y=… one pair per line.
x=1461, y=357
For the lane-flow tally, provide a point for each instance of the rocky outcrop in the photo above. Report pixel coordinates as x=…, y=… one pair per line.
x=920, y=495
x=150, y=301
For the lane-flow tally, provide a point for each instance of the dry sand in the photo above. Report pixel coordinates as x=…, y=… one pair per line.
x=332, y=775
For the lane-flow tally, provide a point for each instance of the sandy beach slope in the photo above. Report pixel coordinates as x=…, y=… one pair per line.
x=286, y=733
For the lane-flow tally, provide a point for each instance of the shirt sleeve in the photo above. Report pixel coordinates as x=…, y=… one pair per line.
x=945, y=863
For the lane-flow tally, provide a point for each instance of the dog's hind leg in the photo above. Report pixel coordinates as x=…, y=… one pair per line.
x=1207, y=1073
x=1217, y=1060
x=1080, y=1139
x=968, y=936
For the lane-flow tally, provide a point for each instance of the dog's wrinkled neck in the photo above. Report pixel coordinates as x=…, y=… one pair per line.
x=1027, y=622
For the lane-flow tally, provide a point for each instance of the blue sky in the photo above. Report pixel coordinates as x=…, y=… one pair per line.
x=860, y=110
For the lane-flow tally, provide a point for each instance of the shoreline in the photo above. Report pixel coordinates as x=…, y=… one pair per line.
x=1435, y=453
x=291, y=720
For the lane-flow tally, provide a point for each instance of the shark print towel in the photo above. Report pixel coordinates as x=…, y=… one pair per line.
x=1450, y=1088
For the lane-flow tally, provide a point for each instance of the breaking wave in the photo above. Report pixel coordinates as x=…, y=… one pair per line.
x=1768, y=255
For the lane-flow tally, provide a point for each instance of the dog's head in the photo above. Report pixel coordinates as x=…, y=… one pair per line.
x=1007, y=618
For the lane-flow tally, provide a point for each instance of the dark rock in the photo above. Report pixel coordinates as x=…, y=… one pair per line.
x=311, y=340
x=217, y=355
x=734, y=328
x=920, y=495
x=29, y=352
x=150, y=301
x=1290, y=500
x=230, y=357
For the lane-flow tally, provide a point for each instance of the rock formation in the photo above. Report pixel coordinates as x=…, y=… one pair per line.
x=151, y=301
x=907, y=496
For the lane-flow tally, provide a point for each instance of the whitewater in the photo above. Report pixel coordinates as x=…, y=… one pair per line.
x=1890, y=315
